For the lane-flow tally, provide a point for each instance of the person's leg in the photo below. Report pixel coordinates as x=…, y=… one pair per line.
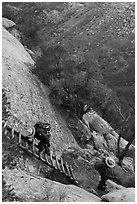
x=102, y=183
x=47, y=150
x=40, y=146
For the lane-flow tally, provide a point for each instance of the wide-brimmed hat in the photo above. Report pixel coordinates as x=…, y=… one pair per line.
x=110, y=162
x=31, y=132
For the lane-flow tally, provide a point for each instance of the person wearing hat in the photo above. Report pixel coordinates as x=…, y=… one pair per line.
x=41, y=131
x=105, y=169
x=43, y=134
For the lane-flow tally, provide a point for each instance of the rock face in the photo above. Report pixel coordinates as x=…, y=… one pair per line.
x=11, y=27
x=6, y=23
x=35, y=189
x=103, y=134
x=29, y=103
x=112, y=186
x=124, y=195
x=28, y=97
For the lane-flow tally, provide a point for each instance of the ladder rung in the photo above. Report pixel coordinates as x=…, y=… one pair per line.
x=53, y=161
x=45, y=157
x=62, y=165
x=58, y=165
x=71, y=172
x=41, y=156
x=67, y=169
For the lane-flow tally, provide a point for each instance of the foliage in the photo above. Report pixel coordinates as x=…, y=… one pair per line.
x=8, y=159
x=75, y=85
x=25, y=15
x=88, y=53
x=9, y=11
x=72, y=85
x=49, y=65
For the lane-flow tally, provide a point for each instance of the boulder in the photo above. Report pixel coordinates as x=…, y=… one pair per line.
x=112, y=186
x=99, y=141
x=123, y=195
x=37, y=189
x=105, y=136
x=80, y=131
x=15, y=33
x=13, y=52
x=128, y=164
x=6, y=23
x=11, y=27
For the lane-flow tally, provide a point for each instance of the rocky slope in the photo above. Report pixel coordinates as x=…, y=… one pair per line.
x=43, y=190
x=28, y=97
x=103, y=32
x=29, y=102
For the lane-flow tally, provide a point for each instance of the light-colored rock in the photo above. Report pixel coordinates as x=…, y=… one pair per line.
x=128, y=164
x=123, y=195
x=112, y=186
x=6, y=23
x=15, y=33
x=13, y=52
x=105, y=136
x=38, y=189
x=99, y=141
x=11, y=27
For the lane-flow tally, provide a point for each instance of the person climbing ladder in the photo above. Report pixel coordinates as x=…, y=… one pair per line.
x=41, y=132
